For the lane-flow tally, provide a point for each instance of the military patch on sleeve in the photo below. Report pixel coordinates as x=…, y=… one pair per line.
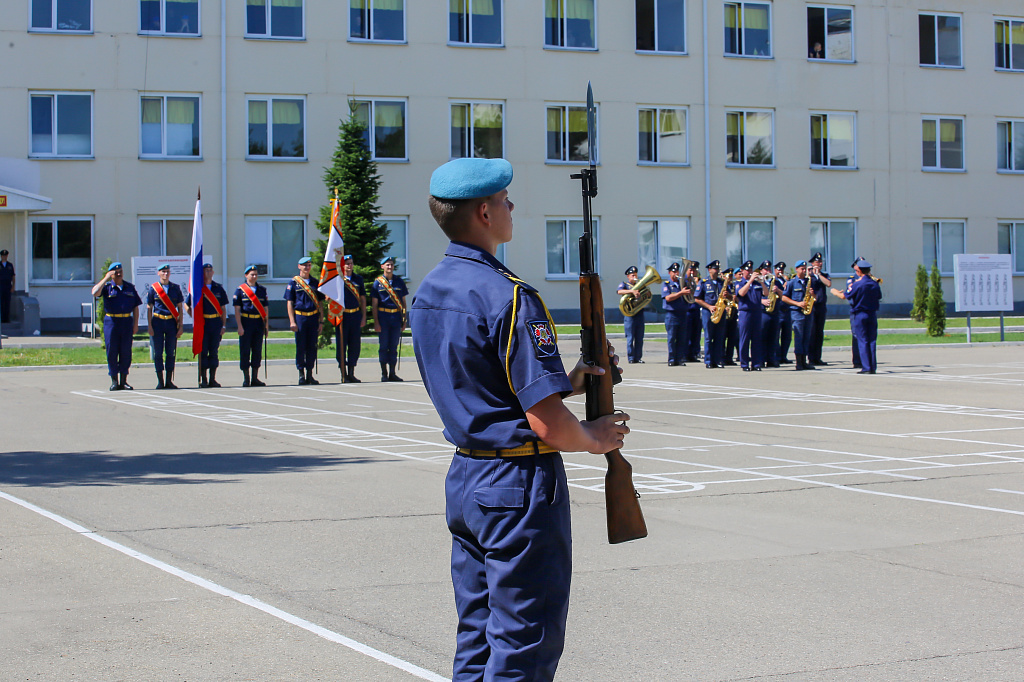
x=543, y=338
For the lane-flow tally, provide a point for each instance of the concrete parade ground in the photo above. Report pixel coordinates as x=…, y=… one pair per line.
x=804, y=527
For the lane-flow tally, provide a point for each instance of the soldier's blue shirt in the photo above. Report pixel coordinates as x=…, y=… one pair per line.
x=173, y=292
x=297, y=295
x=351, y=301
x=708, y=290
x=486, y=349
x=243, y=302
x=218, y=293
x=677, y=306
x=377, y=291
x=118, y=300
x=752, y=300
x=865, y=295
x=796, y=290
x=820, y=290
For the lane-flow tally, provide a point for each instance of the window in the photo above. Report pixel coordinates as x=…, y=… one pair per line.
x=1011, y=241
x=563, y=253
x=663, y=136
x=567, y=134
x=939, y=39
x=474, y=22
x=388, y=141
x=277, y=243
x=836, y=241
x=62, y=250
x=943, y=239
x=1010, y=44
x=942, y=143
x=276, y=128
x=61, y=124
x=748, y=29
x=398, y=235
x=165, y=236
x=1010, y=143
x=477, y=130
x=569, y=23
x=274, y=18
x=833, y=140
x=382, y=20
x=169, y=17
x=62, y=15
x=749, y=240
x=660, y=26
x=169, y=127
x=749, y=138
x=662, y=241
x=830, y=33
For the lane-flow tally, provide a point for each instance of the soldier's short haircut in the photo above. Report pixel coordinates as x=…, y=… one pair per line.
x=451, y=214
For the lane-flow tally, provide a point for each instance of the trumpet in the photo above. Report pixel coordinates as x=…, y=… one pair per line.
x=631, y=304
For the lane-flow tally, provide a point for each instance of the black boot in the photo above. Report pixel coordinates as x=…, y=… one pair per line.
x=255, y=381
x=245, y=378
x=114, y=386
x=351, y=377
x=169, y=383
x=302, y=378
x=383, y=371
x=213, y=378
x=125, y=386
x=159, y=381
x=799, y=363
x=309, y=378
x=203, y=382
x=392, y=376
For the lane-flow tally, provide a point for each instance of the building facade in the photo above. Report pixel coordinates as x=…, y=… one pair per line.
x=728, y=130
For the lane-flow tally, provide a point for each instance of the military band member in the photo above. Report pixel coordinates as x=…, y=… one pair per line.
x=854, y=346
x=821, y=282
x=6, y=286
x=304, y=319
x=348, y=336
x=387, y=298
x=120, y=322
x=215, y=314
x=693, y=316
x=785, y=321
x=732, y=325
x=770, y=320
x=675, y=307
x=166, y=324
x=252, y=317
x=796, y=292
x=865, y=296
x=750, y=298
x=634, y=323
x=706, y=297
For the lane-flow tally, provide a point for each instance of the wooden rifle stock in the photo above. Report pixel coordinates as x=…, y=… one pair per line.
x=625, y=518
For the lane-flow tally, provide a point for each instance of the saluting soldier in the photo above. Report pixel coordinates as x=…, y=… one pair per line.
x=166, y=324
x=252, y=317
x=634, y=323
x=785, y=321
x=675, y=308
x=348, y=337
x=120, y=323
x=693, y=317
x=304, y=319
x=387, y=297
x=750, y=298
x=854, y=346
x=795, y=294
x=821, y=283
x=215, y=313
x=770, y=320
x=709, y=290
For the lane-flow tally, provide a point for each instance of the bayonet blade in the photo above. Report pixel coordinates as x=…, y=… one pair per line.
x=591, y=126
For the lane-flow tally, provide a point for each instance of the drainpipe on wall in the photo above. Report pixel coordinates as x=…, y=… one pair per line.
x=224, y=138
x=707, y=143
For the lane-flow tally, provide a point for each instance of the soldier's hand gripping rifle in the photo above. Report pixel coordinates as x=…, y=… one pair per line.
x=625, y=518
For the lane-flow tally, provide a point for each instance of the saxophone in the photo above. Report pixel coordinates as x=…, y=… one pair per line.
x=721, y=305
x=808, y=296
x=773, y=294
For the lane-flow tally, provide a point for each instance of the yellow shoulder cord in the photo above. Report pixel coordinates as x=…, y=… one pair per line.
x=511, y=337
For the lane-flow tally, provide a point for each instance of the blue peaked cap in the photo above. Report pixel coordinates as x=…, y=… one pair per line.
x=470, y=178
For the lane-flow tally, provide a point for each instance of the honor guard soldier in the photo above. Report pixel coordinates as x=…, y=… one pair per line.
x=348, y=337
x=252, y=318
x=770, y=319
x=693, y=317
x=865, y=296
x=821, y=283
x=215, y=314
x=6, y=286
x=708, y=292
x=794, y=295
x=634, y=323
x=675, y=307
x=387, y=297
x=120, y=322
x=487, y=351
x=785, y=321
x=304, y=319
x=844, y=294
x=750, y=298
x=166, y=324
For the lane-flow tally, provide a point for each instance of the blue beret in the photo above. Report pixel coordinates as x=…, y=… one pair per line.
x=386, y=259
x=470, y=178
x=304, y=260
x=863, y=264
x=165, y=266
x=250, y=268
x=114, y=266
x=348, y=256
x=800, y=264
x=207, y=265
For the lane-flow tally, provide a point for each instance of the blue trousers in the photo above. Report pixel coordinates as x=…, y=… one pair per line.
x=676, y=330
x=348, y=347
x=511, y=565
x=801, y=333
x=785, y=334
x=250, y=344
x=213, y=330
x=865, y=327
x=854, y=345
x=163, y=343
x=305, y=341
x=635, y=337
x=770, y=337
x=714, y=340
x=390, y=335
x=117, y=333
x=818, y=314
x=732, y=336
x=750, y=338
x=695, y=320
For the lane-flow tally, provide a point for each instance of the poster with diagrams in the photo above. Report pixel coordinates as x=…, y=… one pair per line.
x=984, y=282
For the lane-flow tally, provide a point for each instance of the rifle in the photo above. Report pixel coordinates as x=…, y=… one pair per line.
x=625, y=518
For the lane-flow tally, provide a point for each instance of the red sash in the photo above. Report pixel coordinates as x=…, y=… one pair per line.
x=251, y=295
x=166, y=300
x=208, y=295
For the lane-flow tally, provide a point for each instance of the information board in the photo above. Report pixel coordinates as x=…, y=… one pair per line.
x=144, y=274
x=984, y=282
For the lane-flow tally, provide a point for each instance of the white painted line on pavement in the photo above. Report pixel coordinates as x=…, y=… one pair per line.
x=1000, y=490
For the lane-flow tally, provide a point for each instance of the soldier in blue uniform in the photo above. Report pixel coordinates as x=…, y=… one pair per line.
x=166, y=324
x=794, y=295
x=352, y=322
x=693, y=314
x=750, y=298
x=304, y=319
x=487, y=351
x=634, y=323
x=854, y=346
x=252, y=317
x=732, y=325
x=387, y=298
x=770, y=320
x=706, y=296
x=821, y=283
x=120, y=322
x=785, y=321
x=865, y=295
x=215, y=313
x=6, y=286
x=675, y=307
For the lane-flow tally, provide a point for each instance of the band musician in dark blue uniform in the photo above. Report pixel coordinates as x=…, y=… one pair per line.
x=488, y=353
x=348, y=336
x=794, y=296
x=304, y=319
x=387, y=298
x=865, y=296
x=821, y=283
x=120, y=322
x=166, y=324
x=750, y=298
x=732, y=325
x=706, y=297
x=252, y=317
x=675, y=307
x=785, y=321
x=634, y=324
x=215, y=314
x=770, y=319
x=693, y=314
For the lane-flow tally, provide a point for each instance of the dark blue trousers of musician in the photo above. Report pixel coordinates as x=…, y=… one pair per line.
x=390, y=335
x=250, y=344
x=855, y=346
x=634, y=337
x=865, y=326
x=511, y=565
x=732, y=338
x=675, y=329
x=750, y=339
x=818, y=315
x=213, y=330
x=801, y=333
x=348, y=340
x=117, y=333
x=714, y=340
x=164, y=343
x=696, y=324
x=305, y=341
x=770, y=337
x=785, y=335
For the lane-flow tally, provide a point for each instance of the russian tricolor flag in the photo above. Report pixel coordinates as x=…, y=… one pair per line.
x=195, y=280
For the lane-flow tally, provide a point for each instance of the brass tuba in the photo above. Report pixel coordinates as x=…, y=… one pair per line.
x=631, y=304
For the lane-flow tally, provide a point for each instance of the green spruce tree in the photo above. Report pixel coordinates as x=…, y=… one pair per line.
x=936, y=313
x=920, y=307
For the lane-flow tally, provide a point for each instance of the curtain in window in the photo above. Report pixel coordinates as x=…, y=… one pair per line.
x=285, y=113
x=181, y=111
x=358, y=4
x=151, y=110
x=647, y=243
x=950, y=131
x=379, y=5
x=579, y=9
x=577, y=120
x=257, y=113
x=755, y=17
x=671, y=121
x=152, y=125
x=928, y=131
x=459, y=115
x=487, y=116
x=840, y=128
x=389, y=115
x=261, y=3
x=1017, y=33
x=818, y=129
x=646, y=120
x=733, y=124
x=731, y=15
x=285, y=3
x=553, y=9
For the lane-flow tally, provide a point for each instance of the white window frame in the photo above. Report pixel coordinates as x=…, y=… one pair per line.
x=55, y=134
x=832, y=265
x=853, y=34
x=1010, y=21
x=657, y=109
x=936, y=225
x=564, y=30
x=269, y=156
x=828, y=166
x=469, y=28
x=54, y=221
x=659, y=264
x=568, y=245
x=593, y=146
x=269, y=35
x=401, y=257
x=740, y=17
x=369, y=25
x=53, y=27
x=744, y=163
x=1012, y=124
x=744, y=251
x=373, y=102
x=1016, y=228
x=163, y=230
x=657, y=49
x=472, y=104
x=268, y=245
x=163, y=96
x=162, y=31
x=935, y=38
x=937, y=120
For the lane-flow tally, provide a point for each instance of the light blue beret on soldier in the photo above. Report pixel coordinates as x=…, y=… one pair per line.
x=165, y=266
x=250, y=268
x=470, y=178
x=304, y=260
x=114, y=266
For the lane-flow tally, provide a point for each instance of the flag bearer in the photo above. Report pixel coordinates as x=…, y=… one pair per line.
x=214, y=316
